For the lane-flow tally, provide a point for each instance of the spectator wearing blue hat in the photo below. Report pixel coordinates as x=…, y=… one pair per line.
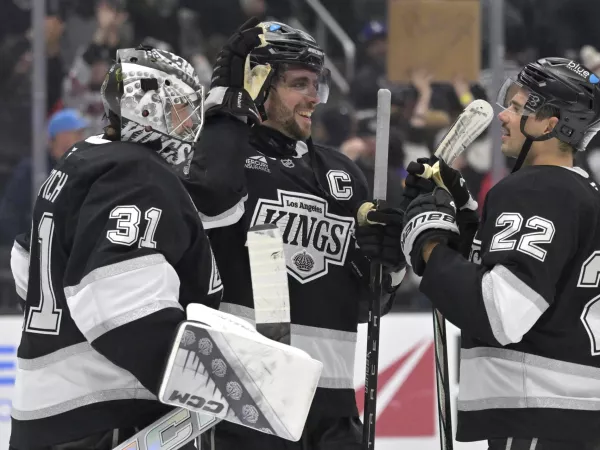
x=65, y=128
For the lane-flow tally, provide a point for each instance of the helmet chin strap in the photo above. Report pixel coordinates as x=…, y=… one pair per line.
x=529, y=140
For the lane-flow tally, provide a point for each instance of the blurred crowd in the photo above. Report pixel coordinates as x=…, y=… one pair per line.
x=81, y=37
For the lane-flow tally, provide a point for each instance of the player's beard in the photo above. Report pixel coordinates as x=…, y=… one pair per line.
x=287, y=120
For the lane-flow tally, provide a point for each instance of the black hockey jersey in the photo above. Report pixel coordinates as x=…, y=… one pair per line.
x=242, y=177
x=117, y=252
x=528, y=306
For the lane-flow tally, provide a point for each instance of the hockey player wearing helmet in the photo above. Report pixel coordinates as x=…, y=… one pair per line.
x=527, y=298
x=255, y=163
x=115, y=254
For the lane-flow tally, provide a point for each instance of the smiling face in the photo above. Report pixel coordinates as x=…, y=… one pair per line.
x=291, y=102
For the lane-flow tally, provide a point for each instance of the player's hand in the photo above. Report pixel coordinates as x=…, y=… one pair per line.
x=448, y=178
x=229, y=67
x=415, y=184
x=452, y=180
x=430, y=217
x=227, y=94
x=379, y=238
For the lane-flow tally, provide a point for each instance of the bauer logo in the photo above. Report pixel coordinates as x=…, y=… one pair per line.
x=313, y=238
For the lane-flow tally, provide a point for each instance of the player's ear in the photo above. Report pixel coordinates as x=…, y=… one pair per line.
x=552, y=122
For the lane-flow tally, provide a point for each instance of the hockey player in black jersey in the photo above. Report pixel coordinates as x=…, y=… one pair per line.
x=527, y=300
x=117, y=251
x=255, y=163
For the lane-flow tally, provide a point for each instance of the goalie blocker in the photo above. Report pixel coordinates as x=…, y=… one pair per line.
x=222, y=367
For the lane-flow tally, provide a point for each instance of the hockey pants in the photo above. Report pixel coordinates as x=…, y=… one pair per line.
x=342, y=433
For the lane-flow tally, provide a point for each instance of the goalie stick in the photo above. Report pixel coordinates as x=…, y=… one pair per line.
x=379, y=194
x=271, y=297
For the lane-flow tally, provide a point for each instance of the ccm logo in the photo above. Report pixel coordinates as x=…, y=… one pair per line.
x=197, y=402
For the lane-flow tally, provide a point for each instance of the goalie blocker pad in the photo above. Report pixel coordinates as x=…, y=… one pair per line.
x=221, y=366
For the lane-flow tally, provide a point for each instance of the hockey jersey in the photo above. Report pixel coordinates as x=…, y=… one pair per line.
x=241, y=177
x=116, y=253
x=528, y=305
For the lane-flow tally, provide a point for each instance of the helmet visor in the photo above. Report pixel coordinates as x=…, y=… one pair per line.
x=519, y=99
x=308, y=82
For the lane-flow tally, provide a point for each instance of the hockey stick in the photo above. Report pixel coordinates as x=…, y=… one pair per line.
x=269, y=282
x=379, y=194
x=476, y=117
x=468, y=126
x=265, y=248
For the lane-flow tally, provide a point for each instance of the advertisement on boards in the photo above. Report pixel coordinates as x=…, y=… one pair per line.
x=406, y=400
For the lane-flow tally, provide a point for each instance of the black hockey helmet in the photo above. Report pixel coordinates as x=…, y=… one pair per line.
x=288, y=45
x=284, y=46
x=563, y=88
x=154, y=96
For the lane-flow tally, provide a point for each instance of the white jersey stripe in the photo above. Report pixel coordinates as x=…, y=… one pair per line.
x=19, y=264
x=112, y=296
x=512, y=306
x=502, y=378
x=43, y=390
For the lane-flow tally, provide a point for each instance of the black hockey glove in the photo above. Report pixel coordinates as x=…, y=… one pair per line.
x=451, y=179
x=380, y=240
x=429, y=217
x=414, y=184
x=227, y=94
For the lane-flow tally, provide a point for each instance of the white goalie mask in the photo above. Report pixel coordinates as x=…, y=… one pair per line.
x=158, y=99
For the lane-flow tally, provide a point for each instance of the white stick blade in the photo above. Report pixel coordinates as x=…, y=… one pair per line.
x=473, y=121
x=269, y=274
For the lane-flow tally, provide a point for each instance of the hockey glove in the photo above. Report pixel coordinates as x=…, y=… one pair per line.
x=227, y=94
x=415, y=184
x=379, y=240
x=452, y=180
x=429, y=217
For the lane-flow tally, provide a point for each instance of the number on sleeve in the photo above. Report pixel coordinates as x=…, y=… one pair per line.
x=529, y=242
x=589, y=277
x=45, y=318
x=128, y=225
x=152, y=216
x=512, y=222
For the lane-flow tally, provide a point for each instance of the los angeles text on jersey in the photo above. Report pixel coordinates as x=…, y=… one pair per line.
x=313, y=238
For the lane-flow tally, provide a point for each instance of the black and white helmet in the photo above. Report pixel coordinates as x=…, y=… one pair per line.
x=152, y=96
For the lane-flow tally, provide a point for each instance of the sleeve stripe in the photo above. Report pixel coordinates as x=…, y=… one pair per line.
x=112, y=296
x=114, y=270
x=512, y=306
x=19, y=264
x=229, y=217
x=129, y=316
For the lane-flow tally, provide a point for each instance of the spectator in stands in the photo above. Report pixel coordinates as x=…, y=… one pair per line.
x=15, y=80
x=65, y=128
x=82, y=85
